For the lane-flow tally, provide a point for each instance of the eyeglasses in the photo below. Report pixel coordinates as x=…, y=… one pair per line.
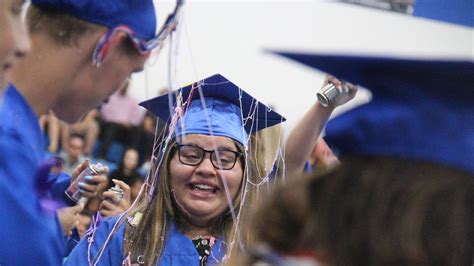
x=144, y=47
x=194, y=155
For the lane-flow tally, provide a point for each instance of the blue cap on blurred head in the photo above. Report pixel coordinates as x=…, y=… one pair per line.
x=225, y=110
x=452, y=11
x=421, y=109
x=139, y=15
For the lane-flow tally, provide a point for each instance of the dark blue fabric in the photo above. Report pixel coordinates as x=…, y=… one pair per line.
x=31, y=236
x=421, y=109
x=59, y=183
x=71, y=242
x=137, y=14
x=178, y=250
x=226, y=106
x=453, y=11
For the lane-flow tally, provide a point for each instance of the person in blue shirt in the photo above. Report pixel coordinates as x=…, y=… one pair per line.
x=14, y=39
x=83, y=51
x=403, y=193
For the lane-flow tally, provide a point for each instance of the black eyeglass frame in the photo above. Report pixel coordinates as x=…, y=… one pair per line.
x=211, y=152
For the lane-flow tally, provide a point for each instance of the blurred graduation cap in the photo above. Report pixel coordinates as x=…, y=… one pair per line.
x=225, y=110
x=421, y=109
x=452, y=11
x=138, y=15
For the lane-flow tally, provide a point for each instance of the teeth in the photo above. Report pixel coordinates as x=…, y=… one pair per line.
x=202, y=186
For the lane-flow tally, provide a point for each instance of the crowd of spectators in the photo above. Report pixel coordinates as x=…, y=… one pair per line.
x=118, y=134
x=103, y=134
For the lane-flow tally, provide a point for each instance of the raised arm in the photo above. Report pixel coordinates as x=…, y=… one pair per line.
x=304, y=137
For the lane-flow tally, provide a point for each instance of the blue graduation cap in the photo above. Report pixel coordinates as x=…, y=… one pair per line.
x=452, y=11
x=421, y=109
x=136, y=18
x=139, y=15
x=224, y=110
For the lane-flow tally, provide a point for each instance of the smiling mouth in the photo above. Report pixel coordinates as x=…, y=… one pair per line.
x=203, y=187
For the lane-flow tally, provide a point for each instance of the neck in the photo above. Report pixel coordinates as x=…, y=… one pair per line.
x=194, y=231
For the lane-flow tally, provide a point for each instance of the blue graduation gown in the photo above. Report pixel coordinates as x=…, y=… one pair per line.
x=29, y=235
x=178, y=249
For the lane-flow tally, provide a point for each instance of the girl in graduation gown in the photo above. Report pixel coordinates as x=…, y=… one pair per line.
x=193, y=211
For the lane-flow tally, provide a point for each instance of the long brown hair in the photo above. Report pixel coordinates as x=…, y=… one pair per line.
x=147, y=239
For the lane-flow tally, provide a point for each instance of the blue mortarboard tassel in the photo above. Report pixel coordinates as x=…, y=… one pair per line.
x=421, y=109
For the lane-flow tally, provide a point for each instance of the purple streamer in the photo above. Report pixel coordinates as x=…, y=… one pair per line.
x=47, y=203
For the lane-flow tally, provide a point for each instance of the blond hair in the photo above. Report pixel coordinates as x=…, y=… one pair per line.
x=147, y=239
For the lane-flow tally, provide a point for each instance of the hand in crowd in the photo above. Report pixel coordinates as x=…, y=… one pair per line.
x=347, y=91
x=113, y=204
x=69, y=218
x=93, y=185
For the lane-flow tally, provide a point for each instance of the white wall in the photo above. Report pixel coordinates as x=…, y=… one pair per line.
x=229, y=37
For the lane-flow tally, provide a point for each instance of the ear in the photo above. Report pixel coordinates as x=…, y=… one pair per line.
x=114, y=46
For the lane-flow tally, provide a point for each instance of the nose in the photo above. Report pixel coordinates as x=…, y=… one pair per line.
x=206, y=167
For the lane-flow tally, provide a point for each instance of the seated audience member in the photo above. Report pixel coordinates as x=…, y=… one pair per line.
x=52, y=124
x=403, y=194
x=88, y=127
x=152, y=134
x=85, y=219
x=149, y=126
x=73, y=153
x=127, y=171
x=120, y=117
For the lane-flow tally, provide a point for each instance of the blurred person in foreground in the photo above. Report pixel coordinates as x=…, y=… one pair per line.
x=67, y=74
x=14, y=39
x=403, y=194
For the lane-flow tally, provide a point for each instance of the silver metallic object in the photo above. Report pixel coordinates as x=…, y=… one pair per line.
x=73, y=191
x=118, y=191
x=328, y=94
